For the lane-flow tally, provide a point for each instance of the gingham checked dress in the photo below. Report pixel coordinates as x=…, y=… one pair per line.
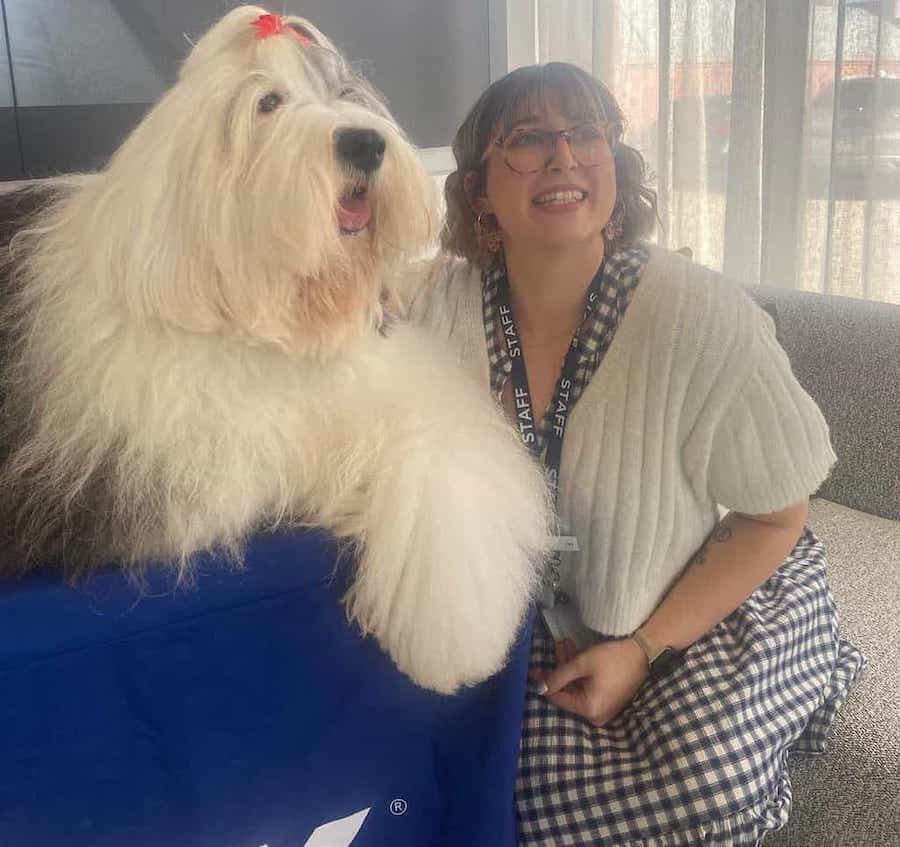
x=699, y=757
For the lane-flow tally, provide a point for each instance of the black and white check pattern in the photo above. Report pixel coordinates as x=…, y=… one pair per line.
x=620, y=278
x=699, y=757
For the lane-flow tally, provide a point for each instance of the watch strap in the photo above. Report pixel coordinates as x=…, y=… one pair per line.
x=651, y=651
x=661, y=661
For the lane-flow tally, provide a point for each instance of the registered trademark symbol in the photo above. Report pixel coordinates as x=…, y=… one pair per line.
x=398, y=806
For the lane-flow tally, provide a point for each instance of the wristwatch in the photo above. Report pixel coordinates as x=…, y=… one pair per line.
x=662, y=660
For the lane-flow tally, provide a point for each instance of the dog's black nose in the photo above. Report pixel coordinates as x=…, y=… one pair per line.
x=362, y=148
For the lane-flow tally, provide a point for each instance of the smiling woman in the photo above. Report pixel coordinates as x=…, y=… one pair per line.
x=653, y=391
x=496, y=124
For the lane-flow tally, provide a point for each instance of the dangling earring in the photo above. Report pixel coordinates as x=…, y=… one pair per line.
x=492, y=239
x=615, y=226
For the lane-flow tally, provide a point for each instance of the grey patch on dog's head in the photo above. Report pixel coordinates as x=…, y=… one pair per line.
x=339, y=81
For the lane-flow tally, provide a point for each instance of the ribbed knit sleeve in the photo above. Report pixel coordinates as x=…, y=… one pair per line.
x=770, y=447
x=443, y=295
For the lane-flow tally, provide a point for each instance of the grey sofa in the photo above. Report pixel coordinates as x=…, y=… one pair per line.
x=846, y=353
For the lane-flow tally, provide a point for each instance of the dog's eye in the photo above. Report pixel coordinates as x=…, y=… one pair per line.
x=270, y=102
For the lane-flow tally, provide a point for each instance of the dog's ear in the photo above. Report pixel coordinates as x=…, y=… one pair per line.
x=304, y=28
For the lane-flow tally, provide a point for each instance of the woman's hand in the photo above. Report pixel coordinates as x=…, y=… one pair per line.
x=598, y=682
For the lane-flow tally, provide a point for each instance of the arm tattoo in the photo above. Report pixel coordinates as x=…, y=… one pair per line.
x=720, y=533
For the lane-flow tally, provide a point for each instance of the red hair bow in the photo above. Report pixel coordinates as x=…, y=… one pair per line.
x=267, y=25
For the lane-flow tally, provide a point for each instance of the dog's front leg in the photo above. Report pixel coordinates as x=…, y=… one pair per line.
x=453, y=523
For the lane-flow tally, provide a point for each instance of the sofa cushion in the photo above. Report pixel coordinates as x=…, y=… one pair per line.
x=850, y=795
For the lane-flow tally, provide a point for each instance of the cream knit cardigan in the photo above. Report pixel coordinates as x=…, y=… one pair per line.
x=693, y=405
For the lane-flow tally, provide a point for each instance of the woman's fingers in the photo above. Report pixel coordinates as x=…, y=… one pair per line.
x=566, y=673
x=559, y=652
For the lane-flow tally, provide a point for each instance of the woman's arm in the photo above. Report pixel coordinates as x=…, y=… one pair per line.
x=741, y=553
x=737, y=557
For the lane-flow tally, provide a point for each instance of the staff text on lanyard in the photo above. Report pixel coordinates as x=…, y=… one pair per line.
x=562, y=404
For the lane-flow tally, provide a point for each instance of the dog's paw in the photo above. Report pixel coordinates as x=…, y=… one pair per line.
x=450, y=557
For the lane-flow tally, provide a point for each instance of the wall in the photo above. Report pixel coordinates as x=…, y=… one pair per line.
x=85, y=71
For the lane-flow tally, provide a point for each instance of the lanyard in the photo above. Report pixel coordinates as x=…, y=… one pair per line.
x=562, y=400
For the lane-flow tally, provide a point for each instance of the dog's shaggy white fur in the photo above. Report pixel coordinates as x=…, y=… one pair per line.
x=196, y=349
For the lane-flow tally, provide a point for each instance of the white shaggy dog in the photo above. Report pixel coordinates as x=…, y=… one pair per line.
x=195, y=348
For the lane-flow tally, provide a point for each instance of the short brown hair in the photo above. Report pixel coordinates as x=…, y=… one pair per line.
x=500, y=106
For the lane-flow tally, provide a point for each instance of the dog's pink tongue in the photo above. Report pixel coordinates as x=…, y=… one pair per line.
x=354, y=213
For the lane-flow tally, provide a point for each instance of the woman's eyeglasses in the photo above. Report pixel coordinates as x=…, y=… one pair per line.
x=527, y=151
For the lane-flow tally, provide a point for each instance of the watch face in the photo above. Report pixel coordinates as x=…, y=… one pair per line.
x=666, y=662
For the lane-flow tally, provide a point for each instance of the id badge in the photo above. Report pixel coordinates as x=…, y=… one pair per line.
x=563, y=544
x=563, y=621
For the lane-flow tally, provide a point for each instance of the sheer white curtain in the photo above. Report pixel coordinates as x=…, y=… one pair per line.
x=732, y=102
x=851, y=234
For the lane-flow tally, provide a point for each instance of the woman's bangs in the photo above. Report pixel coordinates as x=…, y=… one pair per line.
x=577, y=98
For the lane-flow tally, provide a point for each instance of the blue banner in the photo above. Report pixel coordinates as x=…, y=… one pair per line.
x=243, y=711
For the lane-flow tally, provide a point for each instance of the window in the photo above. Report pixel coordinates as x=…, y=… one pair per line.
x=794, y=182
